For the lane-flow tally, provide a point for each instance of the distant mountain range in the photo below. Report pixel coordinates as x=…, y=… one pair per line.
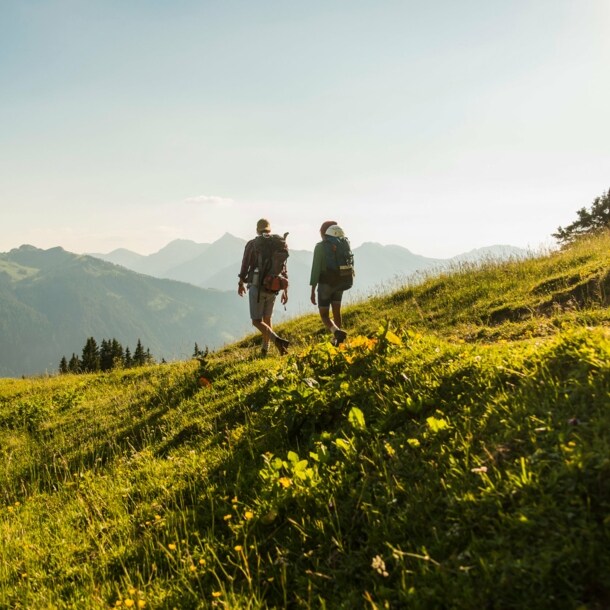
x=52, y=300
x=216, y=265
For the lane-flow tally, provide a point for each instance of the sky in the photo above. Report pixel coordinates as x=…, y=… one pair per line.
x=440, y=126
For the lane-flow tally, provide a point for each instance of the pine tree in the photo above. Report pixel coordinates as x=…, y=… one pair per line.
x=90, y=361
x=118, y=356
x=128, y=359
x=63, y=366
x=105, y=355
x=139, y=355
x=74, y=364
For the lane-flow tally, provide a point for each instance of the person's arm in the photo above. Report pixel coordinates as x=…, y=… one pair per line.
x=316, y=264
x=316, y=269
x=244, y=269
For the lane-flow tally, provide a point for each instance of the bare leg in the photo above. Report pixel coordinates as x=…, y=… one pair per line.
x=325, y=315
x=265, y=329
x=336, y=306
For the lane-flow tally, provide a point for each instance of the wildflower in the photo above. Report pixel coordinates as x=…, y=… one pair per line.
x=141, y=603
x=202, y=562
x=131, y=591
x=389, y=449
x=228, y=517
x=413, y=442
x=193, y=568
x=171, y=546
x=284, y=482
x=248, y=515
x=157, y=517
x=129, y=603
x=216, y=593
x=238, y=548
x=378, y=564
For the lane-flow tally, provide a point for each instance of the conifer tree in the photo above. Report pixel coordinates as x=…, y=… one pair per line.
x=128, y=358
x=63, y=366
x=90, y=361
x=74, y=364
x=118, y=356
x=105, y=355
x=139, y=355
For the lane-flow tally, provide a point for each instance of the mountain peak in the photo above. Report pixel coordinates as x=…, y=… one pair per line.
x=26, y=248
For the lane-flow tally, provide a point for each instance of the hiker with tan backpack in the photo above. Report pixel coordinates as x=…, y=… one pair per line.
x=263, y=275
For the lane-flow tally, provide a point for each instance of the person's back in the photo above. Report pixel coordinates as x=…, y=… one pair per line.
x=261, y=296
x=332, y=272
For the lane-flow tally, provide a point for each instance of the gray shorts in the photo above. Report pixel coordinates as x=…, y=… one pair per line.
x=328, y=294
x=260, y=306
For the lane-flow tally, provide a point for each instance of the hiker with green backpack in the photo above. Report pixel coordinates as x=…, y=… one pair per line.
x=263, y=275
x=332, y=271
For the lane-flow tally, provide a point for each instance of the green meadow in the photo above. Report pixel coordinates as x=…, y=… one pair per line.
x=454, y=453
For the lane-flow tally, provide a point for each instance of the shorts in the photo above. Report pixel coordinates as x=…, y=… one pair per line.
x=260, y=307
x=328, y=294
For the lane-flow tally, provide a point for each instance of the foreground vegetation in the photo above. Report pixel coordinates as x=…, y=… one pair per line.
x=453, y=454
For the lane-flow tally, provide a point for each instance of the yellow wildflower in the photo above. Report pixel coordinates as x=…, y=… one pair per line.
x=248, y=515
x=238, y=548
x=227, y=517
x=285, y=482
x=171, y=546
x=216, y=594
x=129, y=603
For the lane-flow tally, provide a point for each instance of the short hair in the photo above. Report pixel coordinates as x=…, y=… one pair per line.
x=263, y=226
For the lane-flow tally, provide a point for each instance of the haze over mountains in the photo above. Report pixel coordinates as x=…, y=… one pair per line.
x=52, y=300
x=216, y=265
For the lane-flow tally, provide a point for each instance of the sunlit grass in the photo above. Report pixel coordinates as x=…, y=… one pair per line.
x=454, y=453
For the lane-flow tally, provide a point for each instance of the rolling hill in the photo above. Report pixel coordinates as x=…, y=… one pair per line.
x=453, y=453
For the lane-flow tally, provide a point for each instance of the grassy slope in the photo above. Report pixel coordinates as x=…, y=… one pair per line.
x=457, y=460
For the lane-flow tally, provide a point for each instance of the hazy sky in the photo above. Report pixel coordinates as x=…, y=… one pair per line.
x=441, y=126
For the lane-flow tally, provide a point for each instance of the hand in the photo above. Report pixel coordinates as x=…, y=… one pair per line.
x=313, y=295
x=241, y=289
x=284, y=297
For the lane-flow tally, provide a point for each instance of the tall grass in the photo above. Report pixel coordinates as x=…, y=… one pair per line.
x=453, y=454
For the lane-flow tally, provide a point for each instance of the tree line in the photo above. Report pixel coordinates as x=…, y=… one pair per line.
x=108, y=355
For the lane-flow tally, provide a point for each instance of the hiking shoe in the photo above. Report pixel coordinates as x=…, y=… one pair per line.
x=264, y=352
x=340, y=336
x=282, y=345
